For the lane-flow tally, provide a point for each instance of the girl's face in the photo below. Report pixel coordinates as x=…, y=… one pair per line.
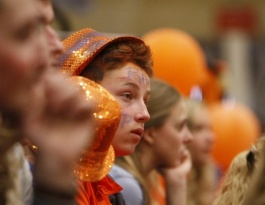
x=170, y=140
x=130, y=85
x=23, y=51
x=203, y=137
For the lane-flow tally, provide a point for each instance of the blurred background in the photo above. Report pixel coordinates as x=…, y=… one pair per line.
x=233, y=31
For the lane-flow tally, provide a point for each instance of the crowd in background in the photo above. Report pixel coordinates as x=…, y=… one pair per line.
x=117, y=119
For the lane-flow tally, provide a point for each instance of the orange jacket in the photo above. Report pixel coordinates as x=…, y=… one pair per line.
x=96, y=193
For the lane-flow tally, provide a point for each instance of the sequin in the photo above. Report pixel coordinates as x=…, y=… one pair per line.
x=96, y=162
x=82, y=46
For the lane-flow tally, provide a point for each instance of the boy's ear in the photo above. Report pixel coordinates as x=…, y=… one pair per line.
x=149, y=135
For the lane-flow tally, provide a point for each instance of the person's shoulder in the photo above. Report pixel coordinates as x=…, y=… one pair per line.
x=132, y=190
x=125, y=179
x=119, y=172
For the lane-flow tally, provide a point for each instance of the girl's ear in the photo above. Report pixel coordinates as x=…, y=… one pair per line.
x=149, y=135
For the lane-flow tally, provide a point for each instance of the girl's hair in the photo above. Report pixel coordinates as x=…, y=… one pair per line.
x=235, y=185
x=202, y=178
x=201, y=185
x=163, y=98
x=8, y=137
x=257, y=185
x=193, y=106
x=116, y=55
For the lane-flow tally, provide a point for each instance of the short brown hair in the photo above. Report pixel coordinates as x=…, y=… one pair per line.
x=116, y=55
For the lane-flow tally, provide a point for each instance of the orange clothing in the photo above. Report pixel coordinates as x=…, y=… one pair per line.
x=96, y=193
x=158, y=192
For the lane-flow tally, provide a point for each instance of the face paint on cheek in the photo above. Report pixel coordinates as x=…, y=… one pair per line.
x=125, y=119
x=138, y=76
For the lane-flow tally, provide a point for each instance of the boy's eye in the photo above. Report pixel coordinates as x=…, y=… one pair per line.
x=127, y=96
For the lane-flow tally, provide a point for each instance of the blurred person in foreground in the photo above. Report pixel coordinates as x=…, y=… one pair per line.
x=33, y=100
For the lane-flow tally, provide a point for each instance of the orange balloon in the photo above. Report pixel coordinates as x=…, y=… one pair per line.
x=178, y=58
x=236, y=128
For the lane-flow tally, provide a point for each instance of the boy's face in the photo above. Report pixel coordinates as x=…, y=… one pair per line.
x=130, y=85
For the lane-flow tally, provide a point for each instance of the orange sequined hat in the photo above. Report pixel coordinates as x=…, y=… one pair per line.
x=83, y=46
x=95, y=163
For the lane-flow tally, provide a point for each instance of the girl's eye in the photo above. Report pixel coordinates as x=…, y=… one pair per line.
x=128, y=96
x=181, y=126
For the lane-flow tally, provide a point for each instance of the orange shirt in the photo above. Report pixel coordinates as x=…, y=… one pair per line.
x=96, y=193
x=158, y=192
